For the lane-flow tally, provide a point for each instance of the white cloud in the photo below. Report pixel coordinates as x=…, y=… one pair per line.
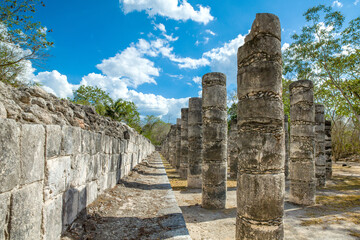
x=132, y=65
x=55, y=83
x=337, y=4
x=172, y=9
x=197, y=80
x=210, y=32
x=285, y=46
x=159, y=26
x=356, y=2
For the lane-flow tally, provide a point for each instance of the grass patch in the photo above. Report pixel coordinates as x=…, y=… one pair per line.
x=311, y=222
x=339, y=202
x=344, y=183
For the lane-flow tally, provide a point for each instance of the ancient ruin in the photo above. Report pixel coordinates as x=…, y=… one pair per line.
x=302, y=141
x=233, y=150
x=328, y=149
x=261, y=181
x=184, y=143
x=195, y=143
x=214, y=145
x=320, y=159
x=287, y=146
x=178, y=143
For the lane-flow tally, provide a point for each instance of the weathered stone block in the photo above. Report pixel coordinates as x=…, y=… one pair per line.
x=10, y=154
x=79, y=169
x=4, y=214
x=82, y=190
x=71, y=143
x=53, y=141
x=262, y=151
x=302, y=170
x=263, y=110
x=85, y=141
x=98, y=142
x=26, y=212
x=256, y=230
x=3, y=113
x=52, y=222
x=111, y=180
x=32, y=153
x=91, y=191
x=70, y=206
x=214, y=172
x=57, y=176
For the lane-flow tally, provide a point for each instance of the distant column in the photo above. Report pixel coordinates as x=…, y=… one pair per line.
x=260, y=177
x=172, y=145
x=320, y=159
x=328, y=149
x=184, y=143
x=233, y=148
x=302, y=142
x=195, y=143
x=287, y=145
x=214, y=123
x=178, y=143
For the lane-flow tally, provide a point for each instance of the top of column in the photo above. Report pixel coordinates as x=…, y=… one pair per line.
x=214, y=78
x=265, y=23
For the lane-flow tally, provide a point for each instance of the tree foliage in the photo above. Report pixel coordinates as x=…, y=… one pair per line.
x=21, y=38
x=327, y=51
x=124, y=111
x=94, y=96
x=155, y=129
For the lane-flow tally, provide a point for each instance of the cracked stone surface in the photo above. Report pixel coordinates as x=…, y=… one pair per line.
x=141, y=206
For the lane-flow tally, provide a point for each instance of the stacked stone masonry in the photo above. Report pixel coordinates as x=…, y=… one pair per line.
x=302, y=142
x=260, y=178
x=195, y=143
x=214, y=144
x=178, y=143
x=50, y=173
x=328, y=149
x=184, y=143
x=233, y=150
x=320, y=159
x=287, y=145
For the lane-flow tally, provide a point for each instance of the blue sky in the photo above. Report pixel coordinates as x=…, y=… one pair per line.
x=154, y=52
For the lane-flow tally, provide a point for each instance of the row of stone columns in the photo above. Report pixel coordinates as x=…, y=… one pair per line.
x=259, y=147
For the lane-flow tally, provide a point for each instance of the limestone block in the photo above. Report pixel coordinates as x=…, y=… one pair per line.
x=108, y=144
x=10, y=154
x=93, y=168
x=4, y=214
x=82, y=190
x=79, y=169
x=26, y=212
x=261, y=109
x=98, y=143
x=71, y=143
x=91, y=191
x=115, y=146
x=256, y=231
x=85, y=141
x=32, y=153
x=104, y=159
x=114, y=163
x=52, y=213
x=122, y=145
x=57, y=175
x=3, y=113
x=70, y=206
x=262, y=151
x=53, y=141
x=103, y=183
x=92, y=143
x=111, y=180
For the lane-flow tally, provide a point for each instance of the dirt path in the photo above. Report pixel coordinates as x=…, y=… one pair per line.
x=335, y=216
x=142, y=206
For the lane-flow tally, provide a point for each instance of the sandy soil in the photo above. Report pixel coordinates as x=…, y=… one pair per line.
x=335, y=216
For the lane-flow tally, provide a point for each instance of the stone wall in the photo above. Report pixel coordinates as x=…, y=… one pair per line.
x=56, y=158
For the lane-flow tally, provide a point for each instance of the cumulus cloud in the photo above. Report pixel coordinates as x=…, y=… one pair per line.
x=197, y=80
x=356, y=2
x=56, y=83
x=159, y=26
x=285, y=46
x=132, y=65
x=337, y=4
x=173, y=9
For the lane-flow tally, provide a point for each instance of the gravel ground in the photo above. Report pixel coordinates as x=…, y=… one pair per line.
x=142, y=206
x=335, y=216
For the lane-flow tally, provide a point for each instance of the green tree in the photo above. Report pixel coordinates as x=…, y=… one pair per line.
x=327, y=51
x=155, y=129
x=21, y=38
x=94, y=96
x=124, y=111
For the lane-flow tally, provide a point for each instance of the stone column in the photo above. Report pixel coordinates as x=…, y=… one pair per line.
x=302, y=142
x=195, y=143
x=178, y=143
x=214, y=123
x=260, y=178
x=320, y=160
x=328, y=149
x=287, y=146
x=184, y=143
x=172, y=145
x=233, y=148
